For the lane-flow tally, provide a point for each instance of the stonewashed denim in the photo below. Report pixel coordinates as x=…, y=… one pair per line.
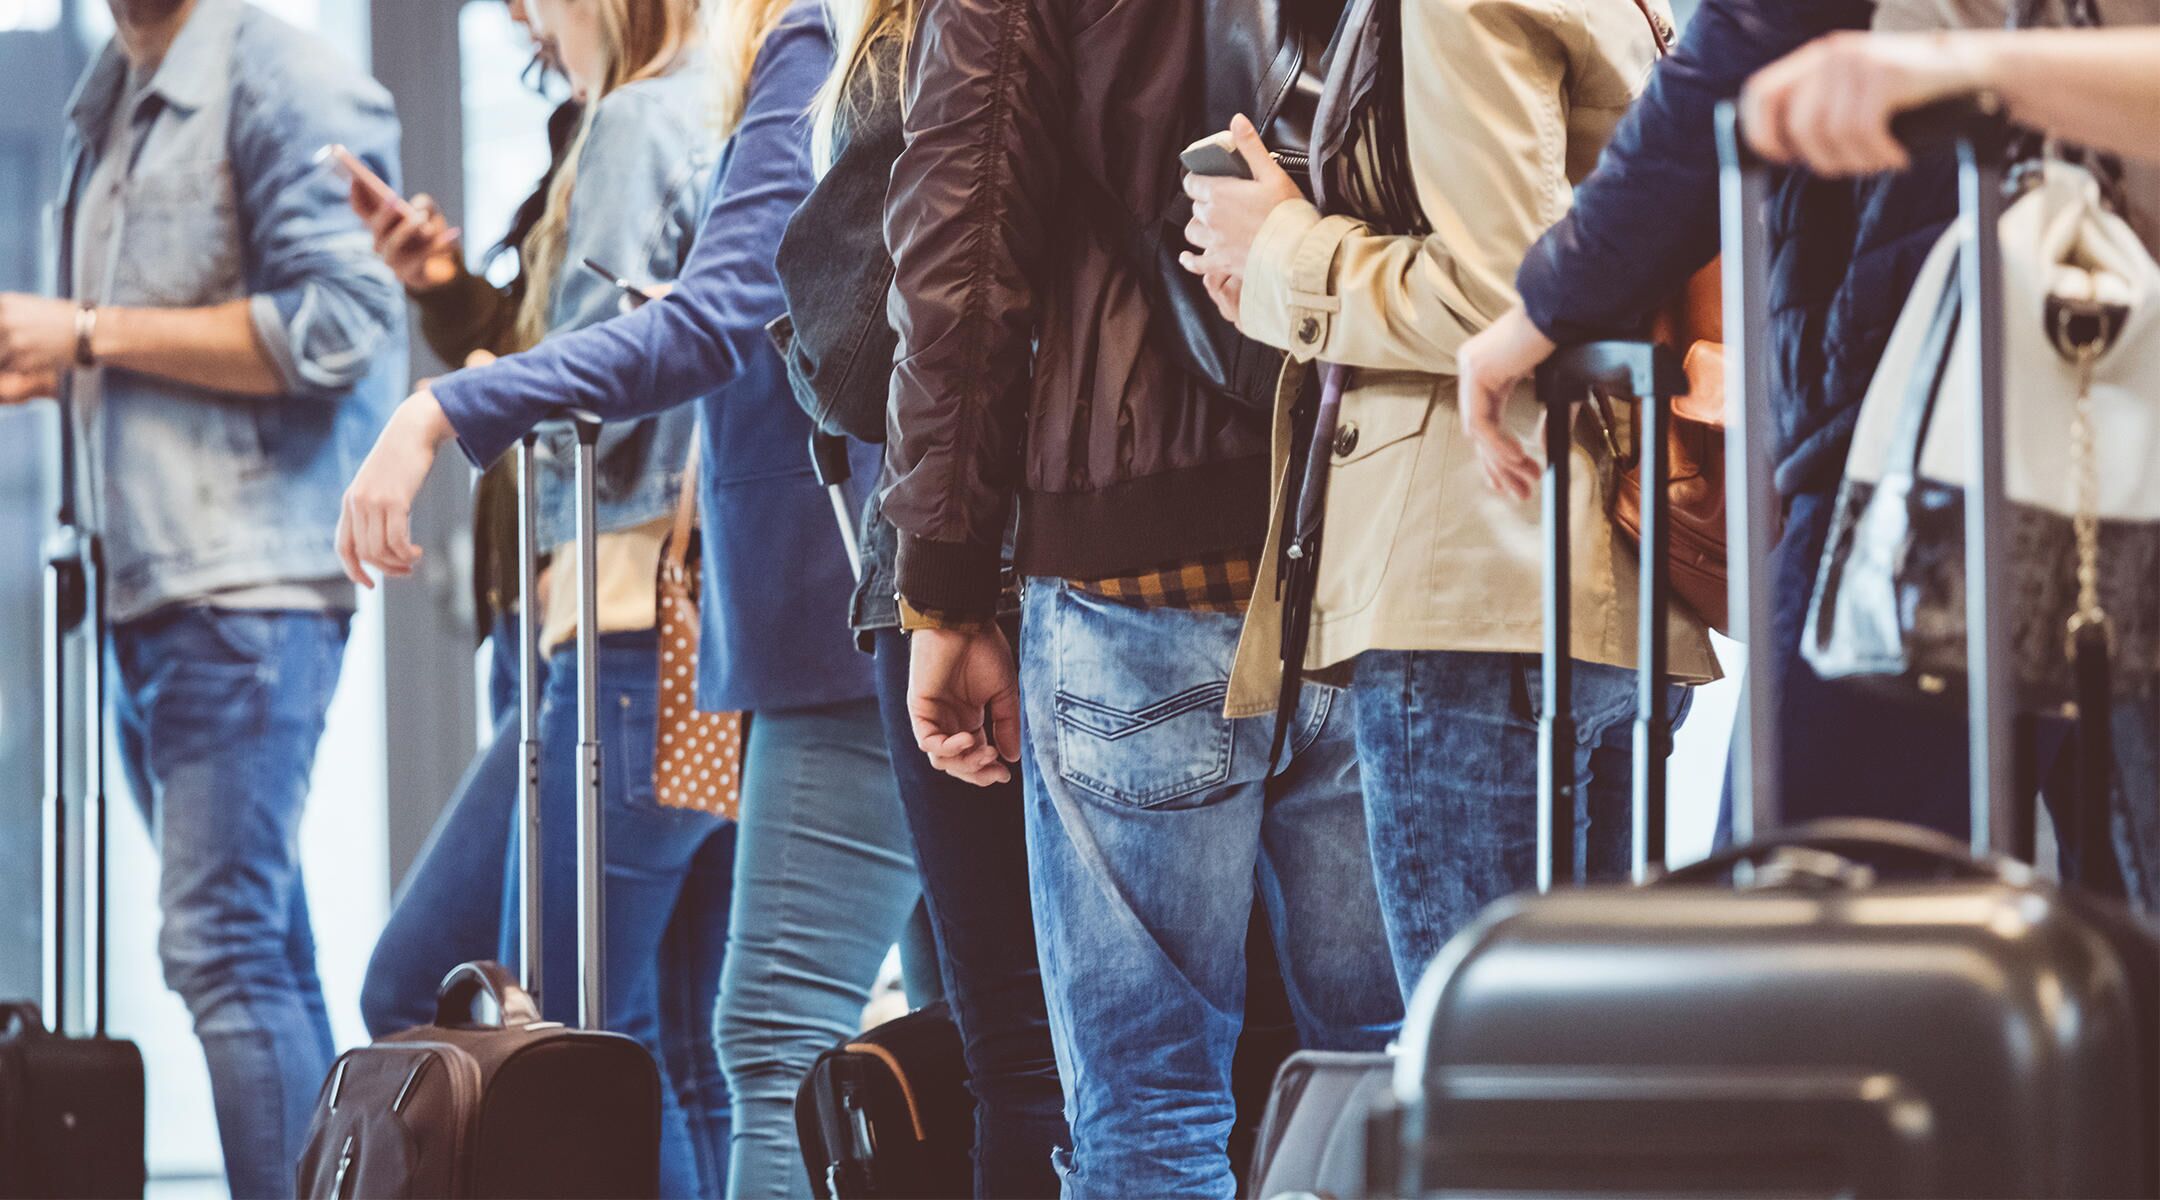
x=1151, y=820
x=218, y=713
x=971, y=844
x=449, y=910
x=825, y=884
x=1448, y=741
x=666, y=932
x=196, y=490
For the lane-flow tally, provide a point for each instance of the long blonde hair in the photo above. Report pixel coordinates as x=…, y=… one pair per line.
x=643, y=39
x=858, y=27
x=737, y=33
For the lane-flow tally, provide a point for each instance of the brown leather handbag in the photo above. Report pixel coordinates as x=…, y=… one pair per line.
x=1695, y=445
x=1693, y=324
x=697, y=756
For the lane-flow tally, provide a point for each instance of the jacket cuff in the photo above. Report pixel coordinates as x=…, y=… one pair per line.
x=959, y=581
x=1287, y=302
x=482, y=436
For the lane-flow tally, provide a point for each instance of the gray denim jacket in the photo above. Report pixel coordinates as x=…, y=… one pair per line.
x=196, y=490
x=641, y=184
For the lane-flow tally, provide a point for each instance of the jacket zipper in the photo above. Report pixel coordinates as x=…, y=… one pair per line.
x=464, y=1076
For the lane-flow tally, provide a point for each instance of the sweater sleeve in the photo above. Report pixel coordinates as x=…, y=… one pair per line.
x=1647, y=219
x=701, y=337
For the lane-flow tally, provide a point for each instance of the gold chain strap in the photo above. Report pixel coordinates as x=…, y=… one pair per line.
x=2086, y=523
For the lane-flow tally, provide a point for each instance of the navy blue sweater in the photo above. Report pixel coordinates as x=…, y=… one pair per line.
x=776, y=576
x=1844, y=255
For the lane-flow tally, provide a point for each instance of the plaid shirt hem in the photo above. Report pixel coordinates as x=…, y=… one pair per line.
x=1216, y=583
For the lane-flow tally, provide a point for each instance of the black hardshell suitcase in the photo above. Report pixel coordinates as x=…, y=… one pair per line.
x=1851, y=1008
x=490, y=1100
x=71, y=1108
x=889, y=1113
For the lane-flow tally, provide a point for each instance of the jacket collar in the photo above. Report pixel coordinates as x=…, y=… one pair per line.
x=196, y=69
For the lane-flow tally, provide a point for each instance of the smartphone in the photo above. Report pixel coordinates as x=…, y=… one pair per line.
x=349, y=168
x=633, y=295
x=1215, y=155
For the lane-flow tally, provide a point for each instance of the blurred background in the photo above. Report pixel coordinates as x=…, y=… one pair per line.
x=404, y=721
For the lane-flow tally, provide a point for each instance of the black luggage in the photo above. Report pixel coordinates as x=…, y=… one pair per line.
x=1312, y=1140
x=71, y=1108
x=1851, y=1008
x=889, y=1114
x=491, y=1100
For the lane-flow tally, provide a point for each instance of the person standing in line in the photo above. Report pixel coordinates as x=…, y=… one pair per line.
x=1448, y=139
x=1032, y=375
x=825, y=876
x=227, y=347
x=446, y=912
x=971, y=846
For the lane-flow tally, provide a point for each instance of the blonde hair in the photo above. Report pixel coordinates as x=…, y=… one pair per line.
x=858, y=27
x=737, y=33
x=642, y=39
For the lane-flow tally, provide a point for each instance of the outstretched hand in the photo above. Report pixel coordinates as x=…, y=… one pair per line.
x=375, y=524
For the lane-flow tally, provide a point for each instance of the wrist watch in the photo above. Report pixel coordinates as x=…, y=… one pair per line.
x=85, y=329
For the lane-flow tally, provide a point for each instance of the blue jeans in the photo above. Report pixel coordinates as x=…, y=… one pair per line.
x=824, y=884
x=667, y=872
x=218, y=714
x=971, y=844
x=1448, y=743
x=1151, y=819
x=449, y=910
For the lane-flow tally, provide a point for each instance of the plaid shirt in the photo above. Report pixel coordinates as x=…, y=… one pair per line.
x=1216, y=583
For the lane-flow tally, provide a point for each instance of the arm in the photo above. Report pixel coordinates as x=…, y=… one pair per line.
x=966, y=222
x=1488, y=150
x=1829, y=105
x=217, y=347
x=701, y=336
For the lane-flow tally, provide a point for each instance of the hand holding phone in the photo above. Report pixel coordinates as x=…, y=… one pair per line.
x=1216, y=155
x=633, y=296
x=347, y=166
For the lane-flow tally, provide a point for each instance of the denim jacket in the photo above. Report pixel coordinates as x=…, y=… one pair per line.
x=642, y=176
x=198, y=490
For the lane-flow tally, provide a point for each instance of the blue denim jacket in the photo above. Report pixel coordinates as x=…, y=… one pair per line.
x=199, y=490
x=641, y=181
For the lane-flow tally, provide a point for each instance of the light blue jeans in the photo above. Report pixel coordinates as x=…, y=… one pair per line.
x=218, y=714
x=1151, y=820
x=825, y=882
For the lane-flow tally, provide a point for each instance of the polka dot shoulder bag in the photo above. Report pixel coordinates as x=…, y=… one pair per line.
x=697, y=756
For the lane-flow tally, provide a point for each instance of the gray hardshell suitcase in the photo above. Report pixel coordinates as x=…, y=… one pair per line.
x=1850, y=1008
x=489, y=1099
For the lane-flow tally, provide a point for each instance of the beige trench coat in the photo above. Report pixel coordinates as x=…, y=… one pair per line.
x=1509, y=103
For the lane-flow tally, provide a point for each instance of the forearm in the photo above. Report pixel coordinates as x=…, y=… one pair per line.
x=215, y=347
x=2099, y=88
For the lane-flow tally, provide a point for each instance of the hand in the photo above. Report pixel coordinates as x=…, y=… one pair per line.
x=1491, y=368
x=375, y=525
x=20, y=387
x=1227, y=291
x=954, y=676
x=420, y=247
x=1828, y=105
x=1228, y=213
x=37, y=334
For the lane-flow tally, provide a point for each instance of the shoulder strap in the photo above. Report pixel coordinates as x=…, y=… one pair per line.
x=677, y=554
x=1658, y=29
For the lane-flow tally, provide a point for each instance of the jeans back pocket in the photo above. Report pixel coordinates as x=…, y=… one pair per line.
x=1140, y=724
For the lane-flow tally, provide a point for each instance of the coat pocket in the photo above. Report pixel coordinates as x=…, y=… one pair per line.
x=1384, y=428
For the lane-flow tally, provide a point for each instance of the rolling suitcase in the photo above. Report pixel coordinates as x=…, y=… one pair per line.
x=1311, y=1142
x=889, y=1113
x=490, y=1100
x=71, y=1108
x=1849, y=1008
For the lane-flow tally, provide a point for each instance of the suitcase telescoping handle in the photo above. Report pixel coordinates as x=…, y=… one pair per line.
x=591, y=847
x=1974, y=129
x=74, y=615
x=1651, y=374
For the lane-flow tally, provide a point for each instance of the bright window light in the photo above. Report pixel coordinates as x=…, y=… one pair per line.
x=28, y=14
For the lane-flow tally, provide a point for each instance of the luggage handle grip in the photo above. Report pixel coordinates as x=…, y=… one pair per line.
x=458, y=1000
x=1641, y=370
x=1937, y=128
x=21, y=1018
x=1863, y=840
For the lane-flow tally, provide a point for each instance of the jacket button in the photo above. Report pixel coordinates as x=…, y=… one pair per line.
x=1346, y=441
x=1308, y=330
